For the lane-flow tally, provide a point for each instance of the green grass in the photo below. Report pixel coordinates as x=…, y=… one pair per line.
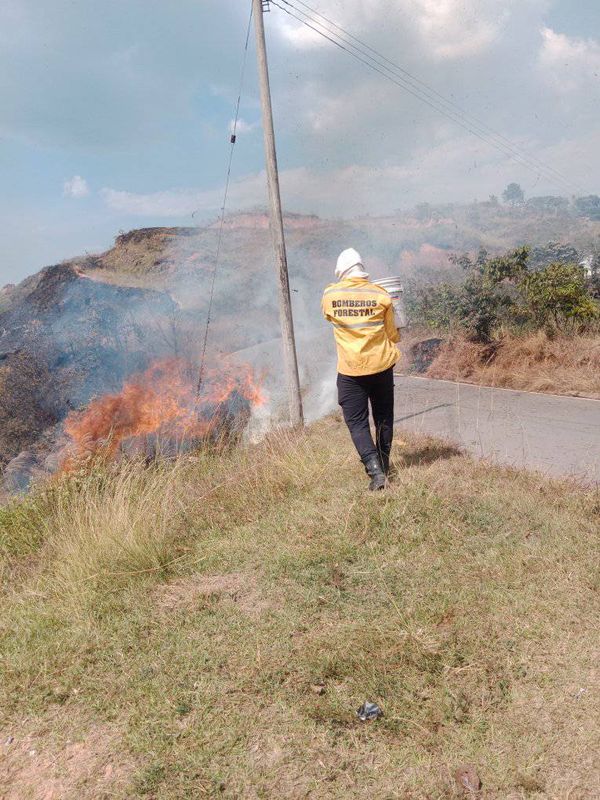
x=164, y=629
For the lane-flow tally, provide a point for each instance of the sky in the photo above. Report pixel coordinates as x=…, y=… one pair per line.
x=117, y=115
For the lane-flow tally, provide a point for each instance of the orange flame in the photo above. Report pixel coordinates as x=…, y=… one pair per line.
x=162, y=401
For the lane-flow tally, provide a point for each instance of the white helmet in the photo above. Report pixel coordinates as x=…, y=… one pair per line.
x=349, y=261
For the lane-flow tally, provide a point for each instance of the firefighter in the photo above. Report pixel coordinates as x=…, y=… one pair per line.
x=365, y=334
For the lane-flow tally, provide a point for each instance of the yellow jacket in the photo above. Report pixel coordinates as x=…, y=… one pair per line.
x=363, y=322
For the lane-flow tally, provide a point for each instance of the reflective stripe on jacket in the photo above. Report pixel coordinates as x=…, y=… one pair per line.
x=365, y=332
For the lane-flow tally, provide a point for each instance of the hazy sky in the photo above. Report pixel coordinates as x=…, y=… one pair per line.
x=115, y=115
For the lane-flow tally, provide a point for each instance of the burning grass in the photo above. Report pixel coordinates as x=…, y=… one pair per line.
x=190, y=609
x=164, y=408
x=536, y=362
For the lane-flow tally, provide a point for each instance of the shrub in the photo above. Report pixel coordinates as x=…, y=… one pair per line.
x=485, y=300
x=558, y=294
x=502, y=292
x=434, y=306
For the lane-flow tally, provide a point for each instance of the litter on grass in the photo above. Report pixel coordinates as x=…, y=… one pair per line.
x=369, y=711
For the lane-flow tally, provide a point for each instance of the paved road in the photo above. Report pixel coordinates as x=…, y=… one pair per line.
x=556, y=435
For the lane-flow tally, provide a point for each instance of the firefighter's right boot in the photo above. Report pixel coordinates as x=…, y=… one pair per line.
x=376, y=473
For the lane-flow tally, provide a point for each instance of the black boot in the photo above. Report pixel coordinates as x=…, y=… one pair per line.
x=376, y=473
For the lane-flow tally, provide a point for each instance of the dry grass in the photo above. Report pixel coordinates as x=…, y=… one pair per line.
x=561, y=365
x=193, y=591
x=167, y=627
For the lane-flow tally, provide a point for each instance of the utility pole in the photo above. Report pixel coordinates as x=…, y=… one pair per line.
x=290, y=357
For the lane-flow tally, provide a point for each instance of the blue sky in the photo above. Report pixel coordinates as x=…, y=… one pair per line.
x=116, y=115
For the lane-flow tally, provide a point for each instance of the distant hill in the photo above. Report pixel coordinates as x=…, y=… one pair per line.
x=414, y=244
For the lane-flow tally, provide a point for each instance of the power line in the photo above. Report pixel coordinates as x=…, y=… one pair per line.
x=403, y=84
x=232, y=141
x=432, y=91
x=454, y=112
x=458, y=117
x=455, y=116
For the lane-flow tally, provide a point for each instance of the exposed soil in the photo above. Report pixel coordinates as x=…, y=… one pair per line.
x=37, y=763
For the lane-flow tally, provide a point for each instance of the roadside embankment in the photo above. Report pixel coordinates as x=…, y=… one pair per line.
x=209, y=626
x=533, y=362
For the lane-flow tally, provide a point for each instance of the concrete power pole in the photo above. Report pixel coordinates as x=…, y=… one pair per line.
x=285, y=305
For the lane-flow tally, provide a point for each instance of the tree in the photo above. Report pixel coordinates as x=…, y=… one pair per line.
x=502, y=291
x=488, y=294
x=484, y=301
x=558, y=294
x=513, y=194
x=549, y=204
x=588, y=206
x=436, y=306
x=552, y=253
x=510, y=268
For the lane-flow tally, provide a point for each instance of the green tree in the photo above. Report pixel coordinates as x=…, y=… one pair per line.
x=513, y=194
x=558, y=294
x=502, y=291
x=511, y=267
x=485, y=300
x=488, y=295
x=552, y=253
x=549, y=204
x=436, y=306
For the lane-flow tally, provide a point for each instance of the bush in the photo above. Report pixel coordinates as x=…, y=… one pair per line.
x=501, y=292
x=558, y=294
x=434, y=306
x=485, y=300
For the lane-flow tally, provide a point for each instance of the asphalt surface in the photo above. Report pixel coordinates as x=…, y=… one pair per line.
x=555, y=435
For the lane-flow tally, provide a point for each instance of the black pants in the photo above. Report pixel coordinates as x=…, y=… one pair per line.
x=354, y=396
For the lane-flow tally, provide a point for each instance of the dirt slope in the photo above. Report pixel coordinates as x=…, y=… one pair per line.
x=66, y=339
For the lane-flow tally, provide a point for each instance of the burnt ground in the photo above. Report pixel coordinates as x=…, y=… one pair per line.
x=65, y=339
x=77, y=330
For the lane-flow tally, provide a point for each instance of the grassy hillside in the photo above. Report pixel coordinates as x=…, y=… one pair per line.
x=208, y=628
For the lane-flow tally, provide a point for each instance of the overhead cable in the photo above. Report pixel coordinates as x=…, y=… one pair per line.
x=449, y=110
x=430, y=90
